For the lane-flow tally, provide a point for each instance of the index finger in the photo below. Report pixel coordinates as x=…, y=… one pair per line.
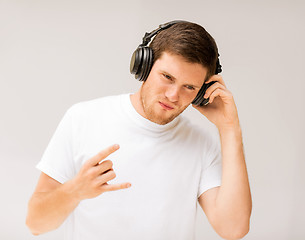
x=217, y=78
x=103, y=154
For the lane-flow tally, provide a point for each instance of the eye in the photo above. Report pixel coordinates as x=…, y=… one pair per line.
x=166, y=76
x=190, y=87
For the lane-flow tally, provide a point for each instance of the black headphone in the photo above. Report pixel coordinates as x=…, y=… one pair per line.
x=142, y=59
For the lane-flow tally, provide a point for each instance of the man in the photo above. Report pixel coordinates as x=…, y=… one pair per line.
x=160, y=163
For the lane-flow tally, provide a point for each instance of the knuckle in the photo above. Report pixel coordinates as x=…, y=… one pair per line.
x=90, y=172
x=112, y=174
x=107, y=163
x=104, y=187
x=102, y=180
x=95, y=184
x=106, y=166
x=85, y=166
x=111, y=164
x=97, y=171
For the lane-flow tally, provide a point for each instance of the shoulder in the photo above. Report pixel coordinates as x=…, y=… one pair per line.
x=96, y=105
x=204, y=135
x=97, y=102
x=86, y=112
x=201, y=131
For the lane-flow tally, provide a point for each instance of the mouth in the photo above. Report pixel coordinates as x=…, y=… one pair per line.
x=164, y=106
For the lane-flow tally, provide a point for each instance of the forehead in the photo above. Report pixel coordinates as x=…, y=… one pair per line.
x=181, y=69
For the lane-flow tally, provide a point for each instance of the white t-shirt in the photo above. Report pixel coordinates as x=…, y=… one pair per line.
x=169, y=167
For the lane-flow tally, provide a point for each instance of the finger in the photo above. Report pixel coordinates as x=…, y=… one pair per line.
x=218, y=92
x=103, y=154
x=217, y=78
x=213, y=95
x=105, y=177
x=114, y=187
x=212, y=88
x=104, y=166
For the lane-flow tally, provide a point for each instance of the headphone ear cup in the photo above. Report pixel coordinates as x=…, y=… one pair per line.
x=148, y=62
x=136, y=59
x=145, y=64
x=141, y=68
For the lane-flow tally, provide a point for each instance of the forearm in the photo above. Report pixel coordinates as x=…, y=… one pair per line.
x=48, y=210
x=233, y=201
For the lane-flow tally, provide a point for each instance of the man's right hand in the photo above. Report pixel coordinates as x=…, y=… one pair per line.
x=52, y=202
x=92, y=178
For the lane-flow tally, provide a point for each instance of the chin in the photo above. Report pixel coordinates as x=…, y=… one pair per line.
x=157, y=116
x=161, y=117
x=164, y=121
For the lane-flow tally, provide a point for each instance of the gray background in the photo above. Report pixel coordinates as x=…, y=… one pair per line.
x=56, y=53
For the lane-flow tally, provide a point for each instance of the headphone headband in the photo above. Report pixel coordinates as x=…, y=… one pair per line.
x=147, y=37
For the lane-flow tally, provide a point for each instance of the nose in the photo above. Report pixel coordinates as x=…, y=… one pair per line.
x=172, y=93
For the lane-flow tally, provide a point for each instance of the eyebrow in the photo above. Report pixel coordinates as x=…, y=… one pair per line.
x=194, y=86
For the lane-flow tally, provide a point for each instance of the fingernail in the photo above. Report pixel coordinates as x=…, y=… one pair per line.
x=116, y=146
x=128, y=185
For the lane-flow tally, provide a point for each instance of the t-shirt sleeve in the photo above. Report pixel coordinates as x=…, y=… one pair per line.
x=211, y=171
x=57, y=159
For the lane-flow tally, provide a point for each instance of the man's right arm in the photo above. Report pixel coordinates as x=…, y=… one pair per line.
x=52, y=202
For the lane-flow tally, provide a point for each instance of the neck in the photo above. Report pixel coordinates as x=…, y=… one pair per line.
x=136, y=102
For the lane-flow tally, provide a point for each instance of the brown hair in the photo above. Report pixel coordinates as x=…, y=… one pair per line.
x=190, y=41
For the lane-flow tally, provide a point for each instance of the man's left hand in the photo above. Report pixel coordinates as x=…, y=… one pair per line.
x=221, y=109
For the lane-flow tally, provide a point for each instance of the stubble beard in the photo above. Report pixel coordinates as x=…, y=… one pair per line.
x=150, y=113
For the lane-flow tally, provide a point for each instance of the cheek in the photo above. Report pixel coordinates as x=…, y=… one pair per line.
x=186, y=98
x=193, y=95
x=157, y=86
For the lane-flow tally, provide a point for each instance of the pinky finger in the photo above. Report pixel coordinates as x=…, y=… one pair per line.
x=114, y=187
x=212, y=96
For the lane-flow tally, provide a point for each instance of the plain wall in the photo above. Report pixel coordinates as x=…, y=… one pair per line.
x=56, y=53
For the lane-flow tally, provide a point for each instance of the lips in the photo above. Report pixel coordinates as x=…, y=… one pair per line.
x=165, y=106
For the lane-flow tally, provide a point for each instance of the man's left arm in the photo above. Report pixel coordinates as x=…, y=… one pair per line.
x=229, y=206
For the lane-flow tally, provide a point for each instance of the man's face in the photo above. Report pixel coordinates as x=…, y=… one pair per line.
x=170, y=87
